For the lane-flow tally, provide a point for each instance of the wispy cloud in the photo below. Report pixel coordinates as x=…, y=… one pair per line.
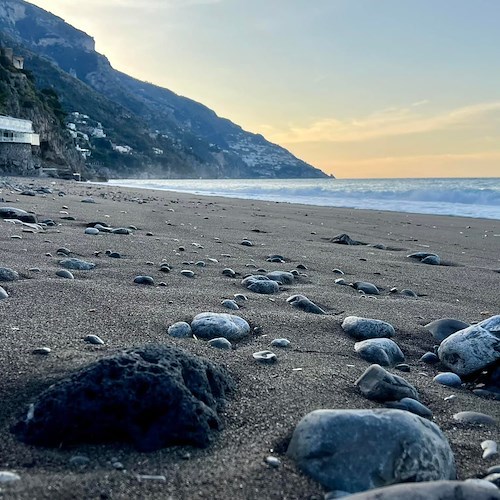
x=385, y=123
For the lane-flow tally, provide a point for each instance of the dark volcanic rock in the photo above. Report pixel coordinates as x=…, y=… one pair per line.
x=442, y=328
x=154, y=396
x=345, y=239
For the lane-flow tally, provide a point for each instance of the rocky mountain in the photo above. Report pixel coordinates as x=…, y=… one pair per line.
x=137, y=128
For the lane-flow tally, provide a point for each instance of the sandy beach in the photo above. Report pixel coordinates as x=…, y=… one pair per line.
x=318, y=370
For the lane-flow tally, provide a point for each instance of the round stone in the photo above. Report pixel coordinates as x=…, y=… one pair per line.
x=210, y=325
x=449, y=379
x=91, y=230
x=230, y=304
x=364, y=328
x=3, y=293
x=43, y=351
x=144, y=280
x=430, y=358
x=220, y=343
x=474, y=418
x=77, y=264
x=7, y=274
x=94, y=339
x=280, y=343
x=384, y=352
x=64, y=273
x=188, y=273
x=8, y=477
x=181, y=329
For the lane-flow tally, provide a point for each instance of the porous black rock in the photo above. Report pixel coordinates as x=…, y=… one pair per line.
x=153, y=396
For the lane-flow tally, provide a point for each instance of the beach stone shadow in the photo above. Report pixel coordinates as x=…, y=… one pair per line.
x=153, y=396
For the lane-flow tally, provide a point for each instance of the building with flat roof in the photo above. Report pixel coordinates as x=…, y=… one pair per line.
x=16, y=130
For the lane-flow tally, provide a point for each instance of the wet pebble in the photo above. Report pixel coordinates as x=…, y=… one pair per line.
x=229, y=272
x=188, y=273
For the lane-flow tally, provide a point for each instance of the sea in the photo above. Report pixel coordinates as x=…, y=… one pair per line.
x=478, y=198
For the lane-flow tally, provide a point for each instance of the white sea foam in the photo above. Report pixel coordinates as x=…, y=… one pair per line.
x=461, y=197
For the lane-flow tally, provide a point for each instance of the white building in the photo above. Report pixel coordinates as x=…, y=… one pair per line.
x=15, y=130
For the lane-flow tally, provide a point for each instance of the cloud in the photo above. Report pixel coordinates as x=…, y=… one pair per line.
x=385, y=123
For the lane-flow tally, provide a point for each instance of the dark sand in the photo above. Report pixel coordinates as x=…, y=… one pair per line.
x=44, y=310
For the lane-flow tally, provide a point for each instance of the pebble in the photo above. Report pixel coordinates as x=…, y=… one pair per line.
x=92, y=230
x=490, y=448
x=411, y=405
x=240, y=296
x=229, y=272
x=42, y=351
x=280, y=343
x=403, y=367
x=340, y=281
x=34, y=269
x=63, y=250
x=246, y=243
x=230, y=304
x=449, y=379
x=80, y=265
x=64, y=273
x=273, y=461
x=378, y=384
x=474, y=418
x=8, y=477
x=494, y=469
x=79, y=460
x=337, y=271
x=409, y=293
x=365, y=328
x=93, y=339
x=383, y=351
x=365, y=287
x=121, y=230
x=114, y=255
x=430, y=358
x=188, y=273
x=443, y=328
x=303, y=303
x=210, y=325
x=494, y=479
x=260, y=284
x=265, y=356
x=181, y=329
x=88, y=200
x=200, y=263
x=282, y=277
x=7, y=274
x=220, y=343
x=144, y=280
x=3, y=293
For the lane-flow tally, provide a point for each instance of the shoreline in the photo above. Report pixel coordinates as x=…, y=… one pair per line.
x=45, y=310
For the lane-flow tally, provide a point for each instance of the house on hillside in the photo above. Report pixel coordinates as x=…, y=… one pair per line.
x=17, y=138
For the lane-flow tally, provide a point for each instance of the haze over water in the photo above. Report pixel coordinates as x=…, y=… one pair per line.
x=479, y=198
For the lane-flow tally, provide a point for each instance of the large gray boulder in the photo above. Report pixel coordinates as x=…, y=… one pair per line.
x=210, y=325
x=473, y=348
x=154, y=396
x=378, y=384
x=17, y=213
x=357, y=450
x=366, y=328
x=432, y=490
x=384, y=352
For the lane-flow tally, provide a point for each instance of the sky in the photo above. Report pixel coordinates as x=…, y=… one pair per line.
x=358, y=88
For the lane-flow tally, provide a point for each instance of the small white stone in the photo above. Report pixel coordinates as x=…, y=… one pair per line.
x=8, y=477
x=490, y=448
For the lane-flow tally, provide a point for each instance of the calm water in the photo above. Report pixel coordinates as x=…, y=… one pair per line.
x=462, y=197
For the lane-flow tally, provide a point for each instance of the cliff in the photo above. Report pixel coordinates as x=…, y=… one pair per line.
x=148, y=130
